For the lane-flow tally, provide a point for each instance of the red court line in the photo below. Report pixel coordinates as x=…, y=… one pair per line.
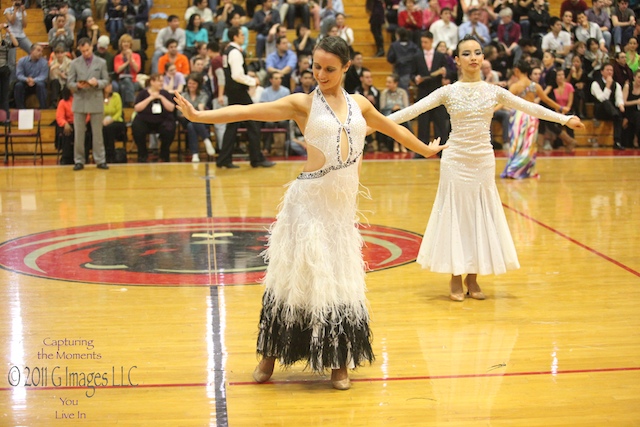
x=444, y=377
x=582, y=245
x=363, y=380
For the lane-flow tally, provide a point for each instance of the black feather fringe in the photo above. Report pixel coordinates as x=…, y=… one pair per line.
x=338, y=338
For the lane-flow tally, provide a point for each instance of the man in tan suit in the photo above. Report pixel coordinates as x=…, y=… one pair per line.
x=87, y=77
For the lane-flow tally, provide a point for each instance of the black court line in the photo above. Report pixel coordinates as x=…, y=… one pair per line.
x=219, y=374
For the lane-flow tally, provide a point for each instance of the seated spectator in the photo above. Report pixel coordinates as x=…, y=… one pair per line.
x=70, y=19
x=578, y=49
x=65, y=131
x=171, y=32
x=392, y=99
x=275, y=33
x=623, y=21
x=411, y=20
x=224, y=14
x=556, y=40
x=116, y=12
x=586, y=30
x=201, y=54
x=139, y=11
x=174, y=81
x=633, y=59
x=488, y=74
x=509, y=34
x=138, y=39
x=200, y=7
x=154, y=114
x=307, y=82
x=580, y=82
x=113, y=127
x=58, y=69
x=127, y=65
x=298, y=8
x=430, y=14
x=622, y=74
x=304, y=43
x=282, y=61
x=173, y=56
x=31, y=75
x=475, y=28
x=594, y=59
x=352, y=76
x=60, y=34
x=102, y=51
x=631, y=96
x=344, y=31
x=235, y=20
x=451, y=74
x=400, y=55
x=573, y=6
x=444, y=30
x=327, y=15
x=601, y=18
x=198, y=98
x=538, y=20
x=609, y=103
x=276, y=90
x=304, y=64
x=50, y=16
x=261, y=23
x=90, y=31
x=563, y=95
x=81, y=9
x=196, y=33
x=16, y=23
x=568, y=23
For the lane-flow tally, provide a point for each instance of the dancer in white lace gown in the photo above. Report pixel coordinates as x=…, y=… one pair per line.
x=467, y=232
x=314, y=307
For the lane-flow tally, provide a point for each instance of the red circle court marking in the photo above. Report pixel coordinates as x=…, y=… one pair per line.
x=175, y=252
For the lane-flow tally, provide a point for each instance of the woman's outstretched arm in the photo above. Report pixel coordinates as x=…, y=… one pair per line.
x=288, y=108
x=383, y=124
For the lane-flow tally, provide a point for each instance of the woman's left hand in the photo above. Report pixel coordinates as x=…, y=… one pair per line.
x=575, y=123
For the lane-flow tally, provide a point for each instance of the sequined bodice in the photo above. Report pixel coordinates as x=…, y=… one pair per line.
x=470, y=106
x=324, y=131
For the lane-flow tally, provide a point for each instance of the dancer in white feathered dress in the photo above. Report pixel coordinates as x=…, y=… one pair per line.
x=314, y=305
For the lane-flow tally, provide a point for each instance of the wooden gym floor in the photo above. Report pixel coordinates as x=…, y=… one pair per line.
x=130, y=297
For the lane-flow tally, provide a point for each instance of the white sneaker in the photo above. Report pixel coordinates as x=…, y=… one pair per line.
x=209, y=147
x=195, y=159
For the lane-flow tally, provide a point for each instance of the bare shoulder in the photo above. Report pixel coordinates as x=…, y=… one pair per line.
x=362, y=102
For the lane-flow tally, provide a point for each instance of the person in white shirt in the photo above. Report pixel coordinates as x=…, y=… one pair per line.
x=609, y=103
x=445, y=30
x=557, y=40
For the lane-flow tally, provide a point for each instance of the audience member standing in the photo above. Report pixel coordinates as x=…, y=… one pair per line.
x=237, y=84
x=430, y=68
x=87, y=78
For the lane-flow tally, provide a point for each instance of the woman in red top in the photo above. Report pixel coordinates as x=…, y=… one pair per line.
x=411, y=19
x=563, y=95
x=127, y=65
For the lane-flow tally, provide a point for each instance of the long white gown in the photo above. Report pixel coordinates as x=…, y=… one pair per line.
x=467, y=232
x=314, y=306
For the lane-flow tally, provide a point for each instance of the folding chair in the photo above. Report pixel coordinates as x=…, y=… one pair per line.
x=22, y=136
x=4, y=122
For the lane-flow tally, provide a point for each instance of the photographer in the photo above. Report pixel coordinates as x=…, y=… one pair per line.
x=16, y=23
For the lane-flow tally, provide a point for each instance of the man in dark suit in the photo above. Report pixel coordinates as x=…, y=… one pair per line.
x=429, y=68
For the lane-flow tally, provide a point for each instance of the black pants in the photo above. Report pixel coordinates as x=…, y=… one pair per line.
x=225, y=157
x=607, y=111
x=5, y=75
x=440, y=119
x=141, y=129
x=110, y=134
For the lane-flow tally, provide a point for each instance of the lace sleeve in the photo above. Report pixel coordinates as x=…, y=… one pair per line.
x=427, y=103
x=508, y=99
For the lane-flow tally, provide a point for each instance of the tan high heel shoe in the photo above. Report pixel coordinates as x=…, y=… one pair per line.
x=343, y=384
x=455, y=296
x=475, y=295
x=261, y=376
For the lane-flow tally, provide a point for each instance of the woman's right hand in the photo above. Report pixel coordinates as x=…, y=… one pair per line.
x=185, y=107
